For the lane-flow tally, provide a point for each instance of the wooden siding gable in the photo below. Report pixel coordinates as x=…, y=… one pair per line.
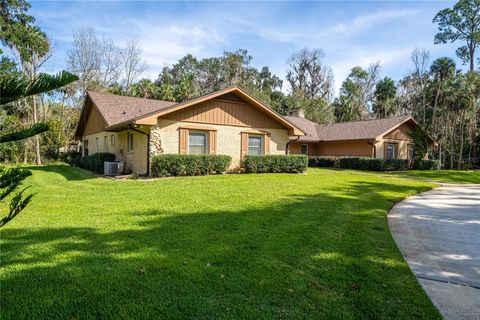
x=225, y=112
x=227, y=94
x=95, y=122
x=400, y=133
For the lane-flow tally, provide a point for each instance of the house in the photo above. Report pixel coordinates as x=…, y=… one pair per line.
x=387, y=138
x=228, y=121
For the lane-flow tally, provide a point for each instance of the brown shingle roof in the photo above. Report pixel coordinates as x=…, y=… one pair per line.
x=356, y=130
x=117, y=109
x=307, y=126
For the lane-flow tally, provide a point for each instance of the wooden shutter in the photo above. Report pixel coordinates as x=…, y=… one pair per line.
x=244, y=145
x=183, y=143
x=212, y=142
x=266, y=144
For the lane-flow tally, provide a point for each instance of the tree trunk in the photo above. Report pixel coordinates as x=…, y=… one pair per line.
x=435, y=104
x=38, y=159
x=452, y=141
x=472, y=57
x=460, y=154
x=60, y=131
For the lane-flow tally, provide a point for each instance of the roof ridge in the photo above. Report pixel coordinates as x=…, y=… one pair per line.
x=359, y=121
x=122, y=96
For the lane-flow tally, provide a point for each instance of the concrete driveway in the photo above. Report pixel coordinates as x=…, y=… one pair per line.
x=438, y=233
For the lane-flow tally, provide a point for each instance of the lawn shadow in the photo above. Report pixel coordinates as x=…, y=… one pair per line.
x=68, y=172
x=314, y=256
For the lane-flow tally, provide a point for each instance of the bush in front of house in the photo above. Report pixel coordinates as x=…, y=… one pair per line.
x=95, y=162
x=373, y=164
x=275, y=164
x=426, y=165
x=72, y=158
x=167, y=165
x=321, y=162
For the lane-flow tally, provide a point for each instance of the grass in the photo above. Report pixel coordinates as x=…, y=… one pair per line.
x=307, y=246
x=447, y=176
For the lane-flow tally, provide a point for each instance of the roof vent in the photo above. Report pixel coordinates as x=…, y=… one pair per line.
x=124, y=112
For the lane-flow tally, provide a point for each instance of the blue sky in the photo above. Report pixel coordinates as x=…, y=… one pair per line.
x=350, y=33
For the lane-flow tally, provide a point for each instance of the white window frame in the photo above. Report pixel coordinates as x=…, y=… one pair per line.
x=262, y=144
x=196, y=132
x=96, y=144
x=112, y=140
x=129, y=141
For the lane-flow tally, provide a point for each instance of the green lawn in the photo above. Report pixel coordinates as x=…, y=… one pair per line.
x=448, y=176
x=305, y=246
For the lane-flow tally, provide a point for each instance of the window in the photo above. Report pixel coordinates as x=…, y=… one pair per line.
x=112, y=140
x=85, y=148
x=197, y=142
x=255, y=145
x=304, y=149
x=96, y=144
x=390, y=150
x=130, y=141
x=105, y=144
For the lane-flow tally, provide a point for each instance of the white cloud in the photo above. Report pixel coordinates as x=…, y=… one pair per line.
x=364, y=22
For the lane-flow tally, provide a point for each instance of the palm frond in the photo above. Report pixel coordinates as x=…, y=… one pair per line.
x=14, y=88
x=23, y=134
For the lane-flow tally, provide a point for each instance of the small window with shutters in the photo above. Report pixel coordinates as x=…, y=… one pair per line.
x=197, y=142
x=255, y=145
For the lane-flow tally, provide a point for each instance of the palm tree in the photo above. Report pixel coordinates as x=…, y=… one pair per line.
x=441, y=69
x=460, y=95
x=13, y=88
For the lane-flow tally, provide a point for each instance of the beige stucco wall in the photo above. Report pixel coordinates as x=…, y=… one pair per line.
x=134, y=161
x=228, y=138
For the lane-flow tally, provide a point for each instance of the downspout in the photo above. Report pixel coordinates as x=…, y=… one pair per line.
x=148, y=146
x=374, y=148
x=288, y=143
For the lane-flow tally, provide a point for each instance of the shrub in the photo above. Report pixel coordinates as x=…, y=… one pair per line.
x=373, y=164
x=95, y=161
x=426, y=165
x=349, y=163
x=166, y=165
x=275, y=164
x=72, y=158
x=321, y=162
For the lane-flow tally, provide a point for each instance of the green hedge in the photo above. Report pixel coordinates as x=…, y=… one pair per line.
x=95, y=161
x=426, y=165
x=275, y=163
x=73, y=158
x=372, y=164
x=321, y=162
x=166, y=165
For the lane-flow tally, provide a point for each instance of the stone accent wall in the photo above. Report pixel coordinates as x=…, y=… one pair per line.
x=155, y=141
